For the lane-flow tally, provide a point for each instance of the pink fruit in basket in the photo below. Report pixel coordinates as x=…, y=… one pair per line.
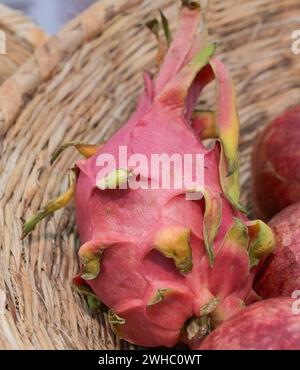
x=276, y=165
x=167, y=263
x=154, y=258
x=280, y=275
x=273, y=324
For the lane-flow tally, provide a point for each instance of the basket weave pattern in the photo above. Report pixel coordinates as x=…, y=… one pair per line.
x=22, y=37
x=82, y=85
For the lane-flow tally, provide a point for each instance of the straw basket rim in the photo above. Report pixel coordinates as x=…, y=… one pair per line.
x=20, y=36
x=37, y=70
x=17, y=22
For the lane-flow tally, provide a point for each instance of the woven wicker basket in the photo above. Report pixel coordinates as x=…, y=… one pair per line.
x=22, y=37
x=82, y=85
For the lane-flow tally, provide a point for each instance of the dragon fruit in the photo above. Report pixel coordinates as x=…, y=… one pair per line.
x=272, y=324
x=169, y=267
x=280, y=274
x=276, y=173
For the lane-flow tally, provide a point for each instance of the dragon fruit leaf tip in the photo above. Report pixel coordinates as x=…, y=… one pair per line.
x=90, y=255
x=159, y=296
x=179, y=48
x=211, y=221
x=82, y=288
x=54, y=205
x=87, y=150
x=223, y=125
x=174, y=243
x=166, y=28
x=175, y=92
x=262, y=241
x=228, y=126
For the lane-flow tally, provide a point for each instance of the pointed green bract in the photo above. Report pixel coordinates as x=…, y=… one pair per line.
x=202, y=59
x=230, y=184
x=116, y=322
x=82, y=288
x=53, y=206
x=209, y=307
x=228, y=126
x=93, y=302
x=262, y=242
x=211, y=221
x=175, y=93
x=90, y=255
x=198, y=328
x=90, y=267
x=159, y=296
x=114, y=180
x=227, y=115
x=237, y=235
x=84, y=149
x=174, y=243
x=115, y=319
x=224, y=125
x=188, y=27
x=166, y=28
x=153, y=26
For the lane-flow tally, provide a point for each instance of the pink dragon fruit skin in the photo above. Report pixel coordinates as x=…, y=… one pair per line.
x=163, y=264
x=270, y=324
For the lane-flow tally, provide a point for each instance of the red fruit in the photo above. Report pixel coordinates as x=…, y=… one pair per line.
x=265, y=325
x=168, y=268
x=276, y=165
x=280, y=276
x=163, y=264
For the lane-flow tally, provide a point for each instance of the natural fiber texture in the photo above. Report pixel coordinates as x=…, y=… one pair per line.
x=82, y=85
x=22, y=37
